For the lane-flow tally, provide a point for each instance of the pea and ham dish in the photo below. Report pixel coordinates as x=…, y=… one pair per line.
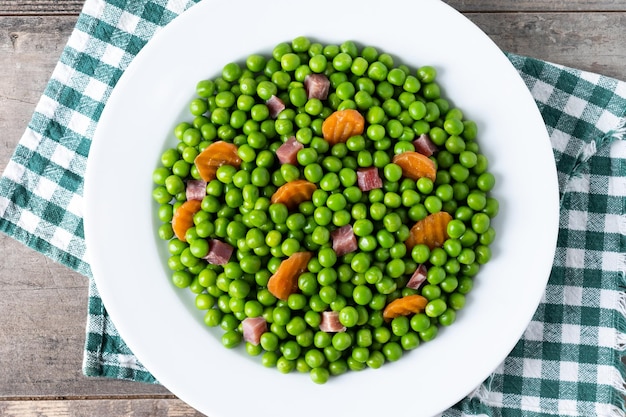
x=327, y=205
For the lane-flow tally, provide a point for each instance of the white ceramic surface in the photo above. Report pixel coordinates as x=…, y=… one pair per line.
x=160, y=324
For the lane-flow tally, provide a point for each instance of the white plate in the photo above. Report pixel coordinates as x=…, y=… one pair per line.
x=160, y=324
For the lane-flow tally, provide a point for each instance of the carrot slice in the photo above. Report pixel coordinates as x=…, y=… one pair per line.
x=284, y=282
x=341, y=125
x=403, y=306
x=432, y=230
x=293, y=193
x=214, y=156
x=183, y=218
x=415, y=165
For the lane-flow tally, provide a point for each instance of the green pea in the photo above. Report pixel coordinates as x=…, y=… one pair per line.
x=360, y=262
x=345, y=90
x=319, y=375
x=435, y=307
x=447, y=317
x=486, y=181
x=362, y=295
x=363, y=227
x=470, y=130
x=456, y=300
x=205, y=88
x=455, y=144
x=426, y=73
x=488, y=236
x=313, y=172
x=476, y=200
x=323, y=216
x=409, y=341
x=449, y=284
x=392, y=221
x=480, y=223
x=375, y=132
x=425, y=185
x=392, y=351
x=348, y=317
x=398, y=251
x=492, y=206
x=433, y=204
x=327, y=257
x=332, y=164
x=255, y=62
x=431, y=292
x=395, y=268
x=306, y=156
x=482, y=254
x=327, y=276
x=336, y=202
x=341, y=341
x=320, y=235
x=301, y=44
x=318, y=63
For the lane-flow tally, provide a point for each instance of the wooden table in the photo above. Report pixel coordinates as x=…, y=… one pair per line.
x=43, y=304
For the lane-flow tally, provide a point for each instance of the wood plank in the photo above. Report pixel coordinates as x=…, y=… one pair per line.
x=68, y=7
x=488, y=6
x=43, y=306
x=98, y=408
x=591, y=41
x=40, y=7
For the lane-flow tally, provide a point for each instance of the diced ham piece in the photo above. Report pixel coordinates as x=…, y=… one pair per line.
x=219, y=252
x=275, y=106
x=195, y=190
x=424, y=145
x=418, y=277
x=253, y=328
x=344, y=240
x=330, y=322
x=288, y=151
x=317, y=86
x=368, y=178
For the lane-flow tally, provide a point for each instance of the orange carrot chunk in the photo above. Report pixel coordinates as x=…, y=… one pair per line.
x=214, y=156
x=342, y=125
x=284, y=282
x=183, y=218
x=431, y=231
x=293, y=193
x=403, y=306
x=415, y=165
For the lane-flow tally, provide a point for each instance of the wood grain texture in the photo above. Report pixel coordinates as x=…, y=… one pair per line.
x=64, y=7
x=43, y=306
x=491, y=6
x=594, y=42
x=40, y=7
x=98, y=407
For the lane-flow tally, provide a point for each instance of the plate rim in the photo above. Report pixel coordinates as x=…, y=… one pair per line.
x=91, y=212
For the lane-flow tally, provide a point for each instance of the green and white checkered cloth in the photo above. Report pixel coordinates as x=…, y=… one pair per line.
x=568, y=361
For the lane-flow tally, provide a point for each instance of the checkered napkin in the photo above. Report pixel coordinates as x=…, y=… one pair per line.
x=568, y=360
